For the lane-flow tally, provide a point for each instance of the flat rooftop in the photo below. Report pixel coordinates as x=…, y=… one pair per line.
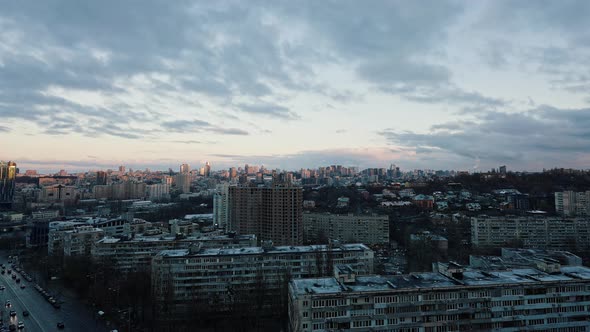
x=430, y=280
x=260, y=250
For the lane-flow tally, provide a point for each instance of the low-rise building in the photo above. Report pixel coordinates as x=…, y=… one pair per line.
x=451, y=299
x=367, y=229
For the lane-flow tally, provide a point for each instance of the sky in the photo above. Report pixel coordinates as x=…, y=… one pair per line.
x=289, y=84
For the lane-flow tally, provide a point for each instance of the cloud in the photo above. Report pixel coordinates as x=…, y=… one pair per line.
x=4, y=129
x=545, y=136
x=195, y=126
x=268, y=109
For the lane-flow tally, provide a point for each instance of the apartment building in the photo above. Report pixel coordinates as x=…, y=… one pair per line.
x=531, y=231
x=218, y=278
x=79, y=241
x=271, y=212
x=132, y=255
x=56, y=235
x=452, y=298
x=367, y=229
x=571, y=203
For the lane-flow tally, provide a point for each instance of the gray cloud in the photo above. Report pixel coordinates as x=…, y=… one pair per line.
x=196, y=126
x=542, y=135
x=4, y=129
x=268, y=109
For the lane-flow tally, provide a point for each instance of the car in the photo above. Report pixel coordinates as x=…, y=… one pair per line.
x=22, y=286
x=8, y=271
x=61, y=325
x=25, y=313
x=7, y=303
x=12, y=313
x=12, y=327
x=17, y=280
x=21, y=325
x=56, y=305
x=2, y=287
x=14, y=276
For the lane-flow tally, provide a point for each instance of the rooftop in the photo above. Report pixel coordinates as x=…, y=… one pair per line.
x=260, y=250
x=429, y=280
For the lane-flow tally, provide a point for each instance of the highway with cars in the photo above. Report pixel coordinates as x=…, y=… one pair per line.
x=37, y=309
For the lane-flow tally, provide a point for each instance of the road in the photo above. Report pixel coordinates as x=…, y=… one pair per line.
x=42, y=316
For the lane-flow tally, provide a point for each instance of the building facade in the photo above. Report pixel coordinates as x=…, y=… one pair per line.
x=571, y=203
x=271, y=212
x=217, y=278
x=531, y=232
x=7, y=182
x=135, y=254
x=367, y=229
x=450, y=299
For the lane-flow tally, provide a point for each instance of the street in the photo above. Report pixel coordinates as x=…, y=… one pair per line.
x=42, y=315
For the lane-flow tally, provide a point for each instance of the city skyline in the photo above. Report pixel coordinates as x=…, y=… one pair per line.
x=461, y=85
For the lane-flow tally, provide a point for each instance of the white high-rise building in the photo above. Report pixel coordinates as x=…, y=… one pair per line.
x=220, y=206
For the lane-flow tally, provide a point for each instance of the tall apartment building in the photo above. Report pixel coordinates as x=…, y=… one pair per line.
x=7, y=182
x=185, y=168
x=158, y=191
x=451, y=299
x=135, y=254
x=544, y=232
x=221, y=206
x=367, y=229
x=101, y=178
x=271, y=212
x=217, y=278
x=571, y=203
x=183, y=182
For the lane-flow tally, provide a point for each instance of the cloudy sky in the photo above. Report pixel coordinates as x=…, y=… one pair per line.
x=290, y=84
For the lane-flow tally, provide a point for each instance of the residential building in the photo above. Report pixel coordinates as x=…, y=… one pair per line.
x=452, y=298
x=271, y=212
x=78, y=242
x=221, y=206
x=59, y=194
x=549, y=261
x=423, y=201
x=438, y=242
x=7, y=182
x=158, y=191
x=536, y=231
x=570, y=203
x=367, y=229
x=135, y=254
x=183, y=182
x=216, y=278
x=185, y=168
x=101, y=178
x=56, y=235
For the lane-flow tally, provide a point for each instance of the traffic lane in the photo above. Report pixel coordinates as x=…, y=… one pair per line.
x=41, y=312
x=75, y=316
x=18, y=304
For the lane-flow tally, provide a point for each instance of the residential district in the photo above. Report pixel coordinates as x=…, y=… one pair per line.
x=328, y=249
